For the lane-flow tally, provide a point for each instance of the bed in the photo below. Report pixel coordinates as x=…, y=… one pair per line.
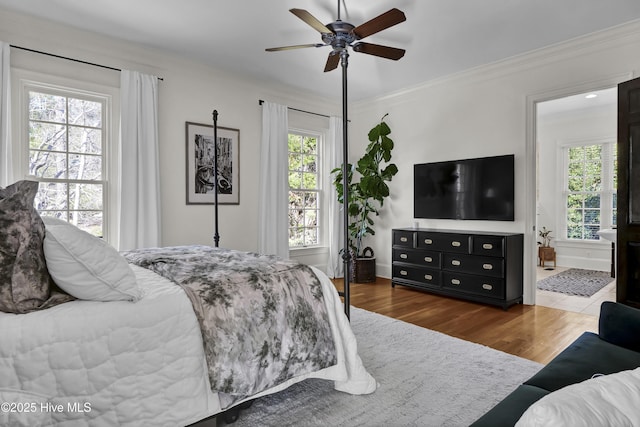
x=126, y=348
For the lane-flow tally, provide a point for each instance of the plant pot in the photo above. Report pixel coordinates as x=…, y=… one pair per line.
x=363, y=269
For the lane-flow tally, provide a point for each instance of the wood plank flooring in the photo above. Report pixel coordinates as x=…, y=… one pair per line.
x=532, y=332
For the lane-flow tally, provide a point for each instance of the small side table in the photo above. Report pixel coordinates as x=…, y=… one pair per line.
x=546, y=253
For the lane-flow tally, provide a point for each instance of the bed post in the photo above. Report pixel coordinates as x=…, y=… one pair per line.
x=346, y=254
x=216, y=236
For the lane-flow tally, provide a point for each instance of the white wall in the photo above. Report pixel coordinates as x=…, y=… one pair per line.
x=487, y=111
x=599, y=124
x=189, y=92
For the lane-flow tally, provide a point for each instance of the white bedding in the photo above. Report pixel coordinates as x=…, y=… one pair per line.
x=125, y=363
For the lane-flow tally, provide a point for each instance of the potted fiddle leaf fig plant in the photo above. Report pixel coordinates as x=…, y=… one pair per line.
x=366, y=197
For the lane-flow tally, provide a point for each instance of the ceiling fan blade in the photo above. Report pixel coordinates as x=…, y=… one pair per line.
x=332, y=62
x=378, y=50
x=297, y=46
x=379, y=23
x=310, y=20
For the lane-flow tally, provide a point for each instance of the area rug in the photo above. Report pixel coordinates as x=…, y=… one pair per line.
x=425, y=379
x=576, y=281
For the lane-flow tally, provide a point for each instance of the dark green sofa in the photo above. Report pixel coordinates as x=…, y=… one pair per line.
x=615, y=348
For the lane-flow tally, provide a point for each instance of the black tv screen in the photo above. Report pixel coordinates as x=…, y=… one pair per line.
x=474, y=189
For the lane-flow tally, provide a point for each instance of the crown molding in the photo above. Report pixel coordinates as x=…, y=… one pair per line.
x=613, y=37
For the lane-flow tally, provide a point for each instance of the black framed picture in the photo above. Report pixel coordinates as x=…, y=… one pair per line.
x=201, y=183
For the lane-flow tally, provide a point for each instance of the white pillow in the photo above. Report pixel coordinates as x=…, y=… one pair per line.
x=85, y=266
x=606, y=400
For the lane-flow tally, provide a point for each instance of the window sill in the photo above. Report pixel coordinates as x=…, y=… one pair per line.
x=309, y=250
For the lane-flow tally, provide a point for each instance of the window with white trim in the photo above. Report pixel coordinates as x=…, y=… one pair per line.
x=304, y=189
x=66, y=132
x=590, y=189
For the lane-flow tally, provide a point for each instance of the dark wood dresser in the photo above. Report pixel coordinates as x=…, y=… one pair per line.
x=478, y=266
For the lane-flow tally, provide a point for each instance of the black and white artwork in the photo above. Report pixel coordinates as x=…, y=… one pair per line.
x=201, y=183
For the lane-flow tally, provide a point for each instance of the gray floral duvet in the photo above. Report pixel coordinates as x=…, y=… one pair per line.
x=263, y=319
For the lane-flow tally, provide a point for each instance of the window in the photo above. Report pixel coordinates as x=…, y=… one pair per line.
x=66, y=139
x=590, y=189
x=304, y=190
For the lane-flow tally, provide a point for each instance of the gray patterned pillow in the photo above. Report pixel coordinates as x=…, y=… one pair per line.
x=25, y=283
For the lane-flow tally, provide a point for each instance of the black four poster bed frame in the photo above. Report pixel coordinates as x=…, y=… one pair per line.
x=216, y=235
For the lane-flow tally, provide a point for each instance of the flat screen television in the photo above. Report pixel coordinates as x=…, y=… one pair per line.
x=469, y=189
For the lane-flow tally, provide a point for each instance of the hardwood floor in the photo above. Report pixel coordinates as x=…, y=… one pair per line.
x=532, y=332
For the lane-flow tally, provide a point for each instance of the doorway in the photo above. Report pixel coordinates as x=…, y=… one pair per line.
x=574, y=198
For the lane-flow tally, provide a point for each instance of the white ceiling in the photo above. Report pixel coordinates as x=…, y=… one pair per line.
x=580, y=103
x=441, y=36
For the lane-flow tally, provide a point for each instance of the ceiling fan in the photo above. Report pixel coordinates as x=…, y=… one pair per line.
x=340, y=35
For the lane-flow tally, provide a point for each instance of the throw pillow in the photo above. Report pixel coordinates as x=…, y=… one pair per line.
x=606, y=400
x=87, y=267
x=24, y=280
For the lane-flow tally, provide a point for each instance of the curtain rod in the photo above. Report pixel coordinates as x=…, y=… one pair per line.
x=260, y=101
x=70, y=59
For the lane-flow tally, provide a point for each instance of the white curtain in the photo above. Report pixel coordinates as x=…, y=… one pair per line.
x=273, y=232
x=335, y=266
x=6, y=153
x=139, y=165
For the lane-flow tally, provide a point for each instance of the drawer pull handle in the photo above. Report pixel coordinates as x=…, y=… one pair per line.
x=428, y=277
x=455, y=262
x=403, y=272
x=404, y=256
x=487, y=246
x=428, y=241
x=428, y=259
x=487, y=286
x=455, y=281
x=455, y=243
x=404, y=239
x=487, y=266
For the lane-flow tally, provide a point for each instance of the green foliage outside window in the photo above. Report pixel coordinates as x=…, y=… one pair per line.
x=304, y=189
x=585, y=190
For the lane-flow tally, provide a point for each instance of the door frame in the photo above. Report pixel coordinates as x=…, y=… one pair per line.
x=530, y=235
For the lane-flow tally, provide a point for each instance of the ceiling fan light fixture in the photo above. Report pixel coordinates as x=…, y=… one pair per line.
x=341, y=35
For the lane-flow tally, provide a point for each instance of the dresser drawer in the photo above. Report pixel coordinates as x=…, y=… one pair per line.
x=404, y=238
x=486, y=266
x=419, y=258
x=487, y=245
x=458, y=243
x=423, y=275
x=492, y=287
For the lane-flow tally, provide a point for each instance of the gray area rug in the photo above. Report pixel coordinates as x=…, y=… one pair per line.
x=576, y=281
x=425, y=379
